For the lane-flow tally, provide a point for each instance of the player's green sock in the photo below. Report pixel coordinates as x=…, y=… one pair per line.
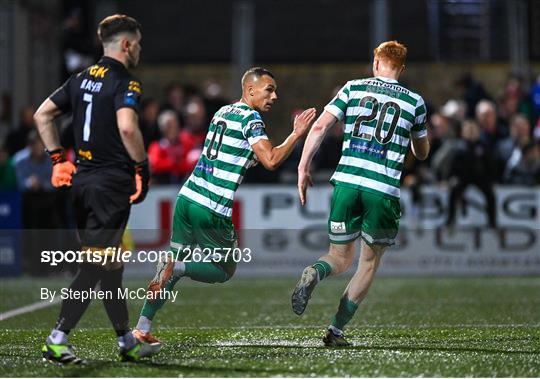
x=344, y=314
x=206, y=272
x=323, y=269
x=150, y=308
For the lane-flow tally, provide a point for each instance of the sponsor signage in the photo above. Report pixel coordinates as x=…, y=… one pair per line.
x=284, y=237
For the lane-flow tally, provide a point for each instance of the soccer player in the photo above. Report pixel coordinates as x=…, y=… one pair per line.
x=381, y=117
x=111, y=174
x=236, y=140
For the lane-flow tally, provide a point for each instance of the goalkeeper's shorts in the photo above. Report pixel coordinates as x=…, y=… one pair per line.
x=212, y=236
x=101, y=202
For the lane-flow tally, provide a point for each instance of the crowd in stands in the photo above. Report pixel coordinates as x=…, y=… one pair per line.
x=476, y=140
x=498, y=138
x=481, y=140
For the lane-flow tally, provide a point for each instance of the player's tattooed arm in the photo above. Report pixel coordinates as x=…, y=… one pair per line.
x=313, y=141
x=272, y=157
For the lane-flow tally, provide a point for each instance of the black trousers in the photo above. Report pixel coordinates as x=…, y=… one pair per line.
x=456, y=194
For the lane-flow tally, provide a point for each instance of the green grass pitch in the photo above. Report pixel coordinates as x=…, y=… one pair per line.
x=406, y=327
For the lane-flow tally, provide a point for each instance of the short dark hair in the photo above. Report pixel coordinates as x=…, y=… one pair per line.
x=256, y=72
x=110, y=26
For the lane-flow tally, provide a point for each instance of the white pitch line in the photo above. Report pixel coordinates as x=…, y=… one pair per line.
x=359, y=327
x=29, y=308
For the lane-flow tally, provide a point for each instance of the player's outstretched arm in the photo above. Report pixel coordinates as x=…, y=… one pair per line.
x=420, y=147
x=313, y=141
x=272, y=157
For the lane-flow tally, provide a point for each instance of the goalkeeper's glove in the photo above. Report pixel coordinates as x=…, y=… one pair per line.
x=63, y=169
x=142, y=177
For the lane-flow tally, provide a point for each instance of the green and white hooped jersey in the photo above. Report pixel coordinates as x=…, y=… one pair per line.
x=226, y=156
x=380, y=118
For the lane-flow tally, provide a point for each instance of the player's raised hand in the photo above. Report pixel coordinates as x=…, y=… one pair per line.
x=303, y=121
x=304, y=180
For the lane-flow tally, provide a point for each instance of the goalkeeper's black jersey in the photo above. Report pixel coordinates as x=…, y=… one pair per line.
x=93, y=96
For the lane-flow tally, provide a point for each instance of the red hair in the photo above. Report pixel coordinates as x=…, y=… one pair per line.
x=391, y=51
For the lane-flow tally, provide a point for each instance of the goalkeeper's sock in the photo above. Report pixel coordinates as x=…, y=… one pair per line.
x=346, y=311
x=323, y=269
x=72, y=309
x=150, y=308
x=116, y=306
x=206, y=272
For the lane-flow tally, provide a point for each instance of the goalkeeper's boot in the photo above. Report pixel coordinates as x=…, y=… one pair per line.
x=164, y=271
x=332, y=339
x=136, y=352
x=304, y=288
x=62, y=353
x=148, y=338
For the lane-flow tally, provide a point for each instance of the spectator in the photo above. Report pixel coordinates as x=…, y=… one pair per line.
x=514, y=100
x=176, y=95
x=444, y=132
x=526, y=170
x=42, y=204
x=8, y=180
x=213, y=97
x=509, y=150
x=196, y=121
x=32, y=166
x=16, y=139
x=491, y=130
x=5, y=116
x=196, y=128
x=168, y=156
x=148, y=123
x=472, y=92
x=535, y=98
x=472, y=165
x=76, y=46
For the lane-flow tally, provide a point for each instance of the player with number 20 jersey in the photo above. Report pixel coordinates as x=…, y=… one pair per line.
x=381, y=118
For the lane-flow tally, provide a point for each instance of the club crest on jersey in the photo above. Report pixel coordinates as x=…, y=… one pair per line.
x=338, y=227
x=134, y=86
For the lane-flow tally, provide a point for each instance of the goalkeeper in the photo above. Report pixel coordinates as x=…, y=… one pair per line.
x=111, y=174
